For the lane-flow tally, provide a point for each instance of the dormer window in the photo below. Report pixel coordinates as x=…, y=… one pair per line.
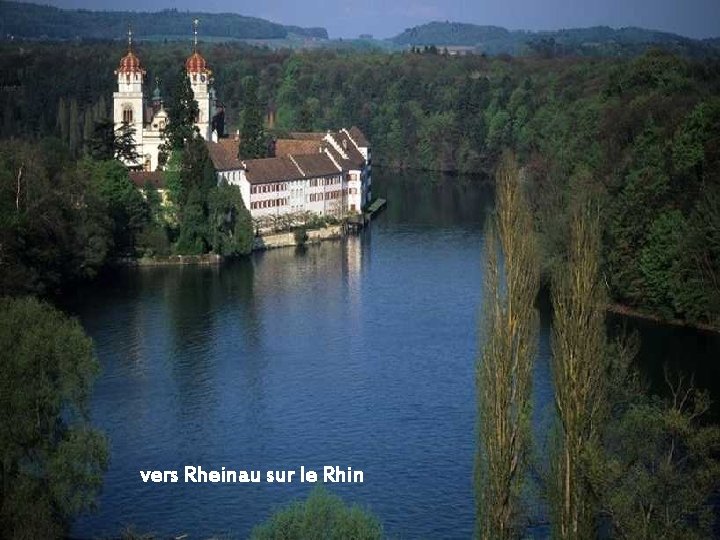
x=345, y=144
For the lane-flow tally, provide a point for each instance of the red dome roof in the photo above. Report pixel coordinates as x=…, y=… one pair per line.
x=196, y=63
x=130, y=64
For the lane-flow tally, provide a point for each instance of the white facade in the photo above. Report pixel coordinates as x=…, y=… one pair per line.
x=131, y=107
x=334, y=182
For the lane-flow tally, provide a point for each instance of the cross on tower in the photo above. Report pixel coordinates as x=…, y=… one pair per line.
x=195, y=31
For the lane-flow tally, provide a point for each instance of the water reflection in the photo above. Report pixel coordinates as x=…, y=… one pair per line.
x=357, y=353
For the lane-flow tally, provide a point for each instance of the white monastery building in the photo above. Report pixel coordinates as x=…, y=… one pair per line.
x=323, y=173
x=149, y=120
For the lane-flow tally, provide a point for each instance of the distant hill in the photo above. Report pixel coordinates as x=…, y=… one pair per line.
x=598, y=40
x=45, y=22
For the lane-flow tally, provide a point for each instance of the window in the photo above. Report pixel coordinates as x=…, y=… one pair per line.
x=127, y=114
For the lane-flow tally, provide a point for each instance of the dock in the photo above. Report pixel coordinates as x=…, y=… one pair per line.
x=357, y=222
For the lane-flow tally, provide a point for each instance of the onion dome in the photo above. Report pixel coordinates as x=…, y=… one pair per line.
x=130, y=64
x=196, y=64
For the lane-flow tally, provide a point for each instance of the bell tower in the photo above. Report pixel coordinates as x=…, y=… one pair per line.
x=128, y=101
x=200, y=81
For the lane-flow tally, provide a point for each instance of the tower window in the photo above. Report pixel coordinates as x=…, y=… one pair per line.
x=127, y=114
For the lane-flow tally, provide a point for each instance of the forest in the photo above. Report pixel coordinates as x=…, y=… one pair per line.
x=25, y=20
x=642, y=135
x=608, y=180
x=601, y=41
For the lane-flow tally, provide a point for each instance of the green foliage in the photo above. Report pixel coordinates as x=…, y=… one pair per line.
x=321, y=517
x=36, y=21
x=231, y=228
x=658, y=466
x=125, y=204
x=253, y=143
x=193, y=237
x=301, y=236
x=124, y=146
x=643, y=130
x=503, y=374
x=54, y=225
x=52, y=460
x=183, y=110
x=660, y=257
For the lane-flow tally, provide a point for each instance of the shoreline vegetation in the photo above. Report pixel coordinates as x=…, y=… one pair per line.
x=635, y=140
x=634, y=313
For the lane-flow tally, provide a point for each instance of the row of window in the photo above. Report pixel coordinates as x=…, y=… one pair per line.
x=271, y=203
x=268, y=188
x=315, y=182
x=330, y=195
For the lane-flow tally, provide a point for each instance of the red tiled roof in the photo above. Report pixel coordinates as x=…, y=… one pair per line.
x=354, y=160
x=285, y=147
x=316, y=165
x=260, y=171
x=308, y=135
x=224, y=155
x=141, y=179
x=359, y=137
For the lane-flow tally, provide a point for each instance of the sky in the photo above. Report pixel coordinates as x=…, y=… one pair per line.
x=386, y=18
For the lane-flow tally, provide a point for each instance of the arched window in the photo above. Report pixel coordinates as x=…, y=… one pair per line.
x=127, y=116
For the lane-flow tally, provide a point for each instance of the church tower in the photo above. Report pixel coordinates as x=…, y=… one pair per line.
x=128, y=101
x=200, y=80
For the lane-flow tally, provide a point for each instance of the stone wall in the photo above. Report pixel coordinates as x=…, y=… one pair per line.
x=269, y=241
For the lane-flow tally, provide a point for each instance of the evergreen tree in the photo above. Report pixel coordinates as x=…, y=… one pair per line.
x=181, y=115
x=74, y=128
x=61, y=125
x=231, y=228
x=124, y=144
x=193, y=237
x=102, y=143
x=88, y=130
x=253, y=143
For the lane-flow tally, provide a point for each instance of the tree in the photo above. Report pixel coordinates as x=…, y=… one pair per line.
x=125, y=204
x=657, y=466
x=52, y=460
x=504, y=369
x=54, y=227
x=231, y=229
x=124, y=145
x=181, y=116
x=253, y=142
x=579, y=373
x=321, y=517
x=193, y=237
x=102, y=144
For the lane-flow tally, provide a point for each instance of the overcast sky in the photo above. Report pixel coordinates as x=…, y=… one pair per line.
x=385, y=18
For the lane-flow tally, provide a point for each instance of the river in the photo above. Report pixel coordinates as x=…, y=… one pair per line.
x=354, y=353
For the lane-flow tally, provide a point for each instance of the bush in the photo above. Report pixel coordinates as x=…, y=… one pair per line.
x=301, y=236
x=322, y=516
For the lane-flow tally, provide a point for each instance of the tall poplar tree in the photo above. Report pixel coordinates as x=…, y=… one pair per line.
x=504, y=369
x=579, y=371
x=252, y=134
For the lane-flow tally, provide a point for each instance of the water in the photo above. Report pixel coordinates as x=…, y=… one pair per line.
x=355, y=353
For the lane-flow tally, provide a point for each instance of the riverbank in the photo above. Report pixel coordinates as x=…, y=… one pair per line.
x=626, y=311
x=295, y=238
